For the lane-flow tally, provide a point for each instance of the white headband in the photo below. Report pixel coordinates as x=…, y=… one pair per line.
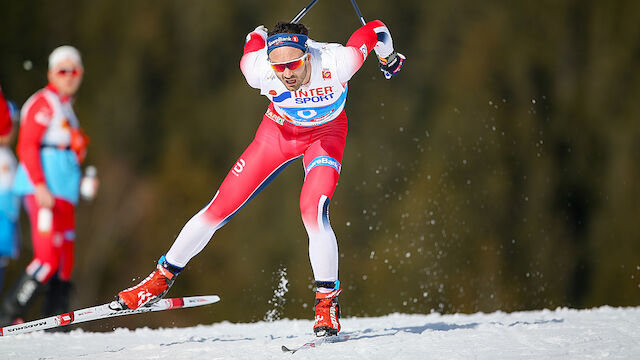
x=62, y=53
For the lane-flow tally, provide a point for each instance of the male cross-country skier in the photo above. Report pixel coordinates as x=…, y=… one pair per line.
x=51, y=147
x=306, y=82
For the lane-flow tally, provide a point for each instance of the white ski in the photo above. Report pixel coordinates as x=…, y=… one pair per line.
x=103, y=312
x=317, y=342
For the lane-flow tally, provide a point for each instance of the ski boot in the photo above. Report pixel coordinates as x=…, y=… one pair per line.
x=18, y=300
x=150, y=290
x=327, y=309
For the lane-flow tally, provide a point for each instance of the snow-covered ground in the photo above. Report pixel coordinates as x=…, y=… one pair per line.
x=602, y=333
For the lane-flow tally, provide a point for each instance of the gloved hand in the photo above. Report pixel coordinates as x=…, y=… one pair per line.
x=79, y=143
x=391, y=65
x=262, y=30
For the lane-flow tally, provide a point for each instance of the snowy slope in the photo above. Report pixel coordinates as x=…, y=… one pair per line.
x=603, y=333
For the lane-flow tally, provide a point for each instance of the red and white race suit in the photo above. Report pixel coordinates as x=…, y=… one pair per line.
x=309, y=123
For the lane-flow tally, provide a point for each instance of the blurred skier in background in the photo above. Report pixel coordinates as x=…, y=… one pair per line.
x=9, y=202
x=306, y=82
x=5, y=116
x=51, y=147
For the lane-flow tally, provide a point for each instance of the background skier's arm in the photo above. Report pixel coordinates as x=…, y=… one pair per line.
x=33, y=127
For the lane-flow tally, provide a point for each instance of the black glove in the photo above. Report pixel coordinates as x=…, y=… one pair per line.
x=391, y=65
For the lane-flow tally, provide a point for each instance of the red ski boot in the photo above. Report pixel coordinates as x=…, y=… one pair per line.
x=151, y=289
x=327, y=313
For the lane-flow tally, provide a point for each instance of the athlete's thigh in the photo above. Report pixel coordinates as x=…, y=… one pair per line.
x=322, y=162
x=257, y=166
x=323, y=158
x=42, y=243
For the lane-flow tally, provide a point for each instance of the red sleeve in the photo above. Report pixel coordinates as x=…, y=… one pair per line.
x=34, y=124
x=255, y=43
x=251, y=61
x=365, y=36
x=5, y=116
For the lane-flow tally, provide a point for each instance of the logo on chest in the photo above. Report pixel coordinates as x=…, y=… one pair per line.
x=316, y=95
x=302, y=97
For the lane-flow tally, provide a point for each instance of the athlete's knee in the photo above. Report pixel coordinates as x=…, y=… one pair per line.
x=213, y=213
x=315, y=212
x=66, y=260
x=42, y=269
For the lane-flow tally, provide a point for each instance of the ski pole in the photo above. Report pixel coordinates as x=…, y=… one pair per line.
x=303, y=12
x=355, y=7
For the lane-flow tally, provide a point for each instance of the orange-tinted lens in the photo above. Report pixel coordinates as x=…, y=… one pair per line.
x=292, y=65
x=72, y=72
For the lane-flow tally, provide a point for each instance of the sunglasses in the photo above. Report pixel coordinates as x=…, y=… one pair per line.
x=72, y=71
x=291, y=65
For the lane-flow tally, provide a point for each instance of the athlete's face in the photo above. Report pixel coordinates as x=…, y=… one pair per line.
x=66, y=76
x=291, y=66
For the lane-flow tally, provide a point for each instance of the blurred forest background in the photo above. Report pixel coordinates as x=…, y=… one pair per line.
x=500, y=170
